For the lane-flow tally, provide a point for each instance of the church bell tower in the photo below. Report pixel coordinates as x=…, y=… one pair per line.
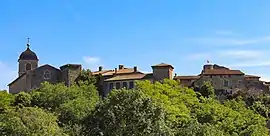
x=28, y=60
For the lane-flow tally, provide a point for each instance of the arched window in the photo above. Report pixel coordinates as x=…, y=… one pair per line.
x=47, y=74
x=28, y=66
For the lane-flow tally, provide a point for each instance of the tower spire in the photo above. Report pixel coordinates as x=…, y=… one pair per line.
x=28, y=42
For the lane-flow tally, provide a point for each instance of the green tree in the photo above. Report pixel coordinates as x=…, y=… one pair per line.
x=23, y=99
x=71, y=104
x=207, y=90
x=127, y=112
x=86, y=77
x=29, y=122
x=177, y=101
x=6, y=100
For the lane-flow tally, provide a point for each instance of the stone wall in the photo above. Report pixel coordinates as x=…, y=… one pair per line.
x=18, y=86
x=22, y=64
x=235, y=81
x=161, y=73
x=37, y=76
x=70, y=73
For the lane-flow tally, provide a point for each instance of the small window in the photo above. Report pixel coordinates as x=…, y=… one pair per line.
x=28, y=66
x=240, y=82
x=226, y=83
x=125, y=84
x=47, y=75
x=111, y=86
x=131, y=85
x=118, y=85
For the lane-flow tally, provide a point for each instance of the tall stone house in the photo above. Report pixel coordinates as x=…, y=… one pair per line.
x=123, y=77
x=31, y=75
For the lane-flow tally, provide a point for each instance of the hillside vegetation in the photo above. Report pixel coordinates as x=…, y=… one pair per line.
x=151, y=109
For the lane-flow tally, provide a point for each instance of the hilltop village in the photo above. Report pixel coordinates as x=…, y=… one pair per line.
x=31, y=75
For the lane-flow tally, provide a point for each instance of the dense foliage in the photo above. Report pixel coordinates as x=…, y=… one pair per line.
x=154, y=109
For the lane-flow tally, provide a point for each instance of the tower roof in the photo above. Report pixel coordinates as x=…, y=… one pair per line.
x=163, y=65
x=28, y=54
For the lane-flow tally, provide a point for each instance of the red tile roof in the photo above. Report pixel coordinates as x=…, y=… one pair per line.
x=163, y=65
x=187, y=77
x=221, y=72
x=101, y=72
x=251, y=76
x=132, y=76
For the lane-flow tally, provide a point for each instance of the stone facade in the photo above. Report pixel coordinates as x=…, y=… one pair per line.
x=126, y=77
x=31, y=76
x=223, y=78
x=70, y=73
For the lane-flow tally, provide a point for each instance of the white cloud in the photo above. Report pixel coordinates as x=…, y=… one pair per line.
x=91, y=60
x=242, y=54
x=253, y=63
x=229, y=54
x=8, y=74
x=91, y=63
x=224, y=41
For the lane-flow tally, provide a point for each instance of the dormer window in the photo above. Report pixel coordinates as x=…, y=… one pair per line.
x=28, y=66
x=47, y=75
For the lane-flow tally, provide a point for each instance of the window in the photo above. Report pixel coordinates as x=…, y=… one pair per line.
x=226, y=83
x=131, y=85
x=28, y=66
x=111, y=86
x=125, y=84
x=117, y=85
x=47, y=75
x=239, y=82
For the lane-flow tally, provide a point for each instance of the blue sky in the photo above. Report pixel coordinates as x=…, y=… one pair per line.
x=137, y=32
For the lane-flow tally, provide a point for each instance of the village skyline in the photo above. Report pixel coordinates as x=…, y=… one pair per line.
x=138, y=33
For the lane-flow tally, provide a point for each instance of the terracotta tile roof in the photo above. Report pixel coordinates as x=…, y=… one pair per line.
x=222, y=72
x=163, y=65
x=251, y=76
x=187, y=77
x=112, y=72
x=101, y=72
x=132, y=76
x=148, y=76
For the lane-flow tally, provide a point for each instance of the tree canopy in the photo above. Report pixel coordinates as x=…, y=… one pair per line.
x=159, y=108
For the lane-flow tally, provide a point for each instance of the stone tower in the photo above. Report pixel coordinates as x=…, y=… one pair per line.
x=162, y=71
x=28, y=60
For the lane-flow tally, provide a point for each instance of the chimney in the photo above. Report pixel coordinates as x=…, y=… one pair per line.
x=100, y=68
x=115, y=70
x=121, y=66
x=208, y=67
x=135, y=69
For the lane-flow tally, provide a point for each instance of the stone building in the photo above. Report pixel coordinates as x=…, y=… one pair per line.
x=123, y=77
x=223, y=78
x=30, y=75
